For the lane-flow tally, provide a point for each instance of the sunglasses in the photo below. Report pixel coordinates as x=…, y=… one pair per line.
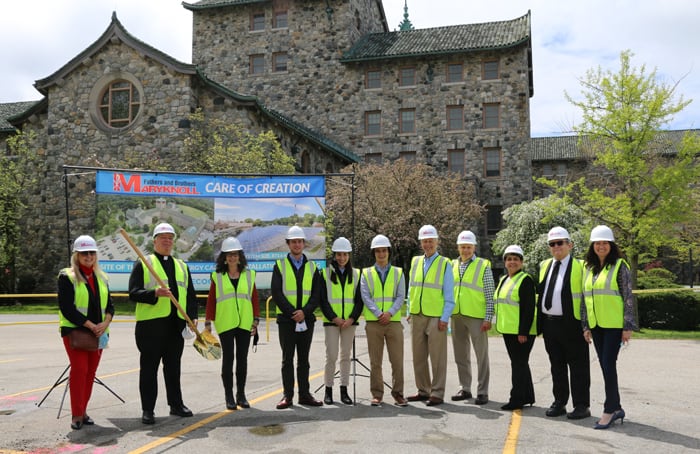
x=85, y=253
x=556, y=243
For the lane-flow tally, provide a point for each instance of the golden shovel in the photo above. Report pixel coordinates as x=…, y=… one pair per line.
x=205, y=343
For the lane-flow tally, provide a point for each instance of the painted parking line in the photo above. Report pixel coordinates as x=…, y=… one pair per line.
x=513, y=432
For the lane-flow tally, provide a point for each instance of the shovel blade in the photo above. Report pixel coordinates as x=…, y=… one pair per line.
x=207, y=345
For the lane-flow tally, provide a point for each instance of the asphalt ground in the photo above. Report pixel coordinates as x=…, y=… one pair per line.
x=659, y=386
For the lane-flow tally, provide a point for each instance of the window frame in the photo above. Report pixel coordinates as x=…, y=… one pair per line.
x=276, y=19
x=451, y=154
x=453, y=108
x=133, y=106
x=488, y=116
x=257, y=21
x=275, y=57
x=402, y=130
x=370, y=114
x=373, y=158
x=488, y=161
x=252, y=64
x=489, y=73
x=402, y=79
x=448, y=73
x=369, y=79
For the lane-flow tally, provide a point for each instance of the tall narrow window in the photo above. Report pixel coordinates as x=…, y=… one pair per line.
x=490, y=70
x=492, y=162
x=119, y=104
x=407, y=77
x=454, y=72
x=373, y=123
x=455, y=118
x=409, y=156
x=455, y=161
x=373, y=79
x=279, y=62
x=257, y=22
x=279, y=19
x=407, y=121
x=373, y=158
x=491, y=115
x=494, y=219
x=257, y=64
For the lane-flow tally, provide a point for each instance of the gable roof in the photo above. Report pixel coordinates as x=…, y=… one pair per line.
x=441, y=40
x=563, y=148
x=12, y=109
x=115, y=31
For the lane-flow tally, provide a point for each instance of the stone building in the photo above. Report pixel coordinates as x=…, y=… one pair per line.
x=328, y=77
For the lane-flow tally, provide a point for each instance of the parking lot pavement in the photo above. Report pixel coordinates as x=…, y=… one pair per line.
x=658, y=385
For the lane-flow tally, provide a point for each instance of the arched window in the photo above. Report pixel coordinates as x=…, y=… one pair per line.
x=305, y=162
x=119, y=104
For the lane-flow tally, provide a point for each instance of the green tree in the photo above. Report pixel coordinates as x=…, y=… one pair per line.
x=395, y=199
x=643, y=179
x=527, y=225
x=16, y=180
x=218, y=146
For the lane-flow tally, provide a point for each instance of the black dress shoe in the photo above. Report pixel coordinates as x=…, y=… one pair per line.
x=242, y=401
x=88, y=421
x=417, y=397
x=579, y=413
x=433, y=401
x=462, y=395
x=309, y=400
x=76, y=425
x=231, y=404
x=512, y=406
x=180, y=410
x=555, y=410
x=286, y=402
x=148, y=417
x=481, y=399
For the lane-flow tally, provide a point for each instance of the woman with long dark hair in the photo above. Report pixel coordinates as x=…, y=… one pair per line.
x=232, y=304
x=607, y=314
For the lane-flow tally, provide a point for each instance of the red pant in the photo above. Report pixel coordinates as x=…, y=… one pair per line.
x=83, y=366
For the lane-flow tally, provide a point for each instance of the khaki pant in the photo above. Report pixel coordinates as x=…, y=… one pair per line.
x=429, y=341
x=392, y=335
x=344, y=337
x=466, y=331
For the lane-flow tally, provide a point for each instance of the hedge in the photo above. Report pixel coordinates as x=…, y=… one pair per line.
x=672, y=310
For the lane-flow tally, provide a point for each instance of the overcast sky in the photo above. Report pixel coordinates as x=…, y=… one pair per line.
x=569, y=37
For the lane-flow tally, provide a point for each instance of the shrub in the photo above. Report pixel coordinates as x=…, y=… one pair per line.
x=656, y=278
x=674, y=310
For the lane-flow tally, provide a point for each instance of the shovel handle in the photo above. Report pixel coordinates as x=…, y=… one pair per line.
x=159, y=280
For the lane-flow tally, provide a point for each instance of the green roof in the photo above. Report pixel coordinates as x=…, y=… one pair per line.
x=204, y=4
x=441, y=40
x=13, y=109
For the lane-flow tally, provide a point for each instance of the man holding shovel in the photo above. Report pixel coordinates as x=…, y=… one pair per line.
x=159, y=325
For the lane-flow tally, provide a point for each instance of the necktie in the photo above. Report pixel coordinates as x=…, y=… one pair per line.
x=550, y=285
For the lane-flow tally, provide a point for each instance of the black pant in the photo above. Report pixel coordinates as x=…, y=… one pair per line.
x=291, y=341
x=569, y=359
x=607, y=346
x=522, y=390
x=234, y=346
x=160, y=339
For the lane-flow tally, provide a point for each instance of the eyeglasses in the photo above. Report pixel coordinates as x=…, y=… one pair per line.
x=556, y=243
x=85, y=253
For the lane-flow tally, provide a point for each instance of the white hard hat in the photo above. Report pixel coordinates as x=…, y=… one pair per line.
x=84, y=243
x=602, y=233
x=558, y=233
x=427, y=231
x=295, y=232
x=163, y=227
x=514, y=249
x=231, y=244
x=380, y=241
x=342, y=244
x=466, y=237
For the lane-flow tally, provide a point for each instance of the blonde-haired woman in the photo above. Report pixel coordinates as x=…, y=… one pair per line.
x=84, y=305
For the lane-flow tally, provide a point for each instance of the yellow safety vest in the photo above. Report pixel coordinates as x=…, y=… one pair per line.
x=508, y=305
x=577, y=272
x=162, y=307
x=234, y=305
x=604, y=304
x=82, y=296
x=426, y=294
x=339, y=296
x=289, y=282
x=383, y=294
x=469, y=290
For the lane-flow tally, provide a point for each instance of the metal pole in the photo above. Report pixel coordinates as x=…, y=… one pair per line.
x=65, y=186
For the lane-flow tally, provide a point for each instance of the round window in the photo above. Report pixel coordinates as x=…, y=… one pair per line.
x=119, y=104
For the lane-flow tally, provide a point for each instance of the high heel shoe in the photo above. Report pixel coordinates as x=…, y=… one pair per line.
x=618, y=414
